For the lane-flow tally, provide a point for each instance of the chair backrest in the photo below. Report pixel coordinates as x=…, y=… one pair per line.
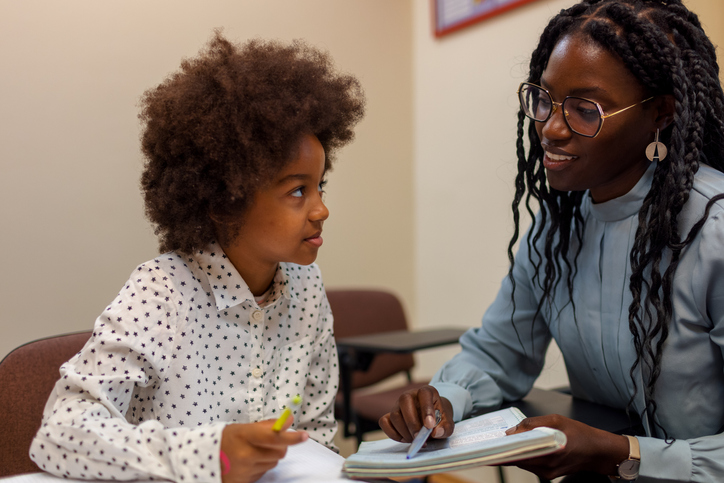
x=361, y=312
x=27, y=377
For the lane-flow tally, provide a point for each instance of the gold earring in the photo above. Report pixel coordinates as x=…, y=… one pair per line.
x=656, y=151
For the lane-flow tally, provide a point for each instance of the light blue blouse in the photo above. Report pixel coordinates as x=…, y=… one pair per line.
x=597, y=347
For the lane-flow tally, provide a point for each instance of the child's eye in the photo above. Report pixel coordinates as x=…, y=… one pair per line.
x=321, y=186
x=299, y=192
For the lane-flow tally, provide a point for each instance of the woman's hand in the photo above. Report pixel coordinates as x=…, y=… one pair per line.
x=255, y=448
x=412, y=409
x=587, y=449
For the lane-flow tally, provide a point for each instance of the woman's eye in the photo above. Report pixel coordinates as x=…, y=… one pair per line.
x=588, y=114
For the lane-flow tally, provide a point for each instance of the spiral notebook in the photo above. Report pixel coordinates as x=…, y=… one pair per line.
x=478, y=441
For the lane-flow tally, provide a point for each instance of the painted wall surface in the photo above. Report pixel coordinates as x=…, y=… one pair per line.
x=73, y=226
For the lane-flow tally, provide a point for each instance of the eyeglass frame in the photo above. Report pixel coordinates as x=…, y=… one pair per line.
x=601, y=114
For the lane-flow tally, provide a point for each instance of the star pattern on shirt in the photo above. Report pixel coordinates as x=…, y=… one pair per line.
x=183, y=350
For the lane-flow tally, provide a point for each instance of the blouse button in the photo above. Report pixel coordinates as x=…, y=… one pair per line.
x=257, y=316
x=256, y=372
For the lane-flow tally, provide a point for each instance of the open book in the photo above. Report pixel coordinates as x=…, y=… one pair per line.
x=475, y=442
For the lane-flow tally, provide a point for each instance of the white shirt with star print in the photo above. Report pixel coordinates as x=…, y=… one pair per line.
x=182, y=351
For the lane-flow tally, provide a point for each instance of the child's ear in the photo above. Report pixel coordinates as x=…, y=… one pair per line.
x=665, y=107
x=216, y=218
x=229, y=214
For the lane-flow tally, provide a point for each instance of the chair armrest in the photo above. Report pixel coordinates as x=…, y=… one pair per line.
x=357, y=352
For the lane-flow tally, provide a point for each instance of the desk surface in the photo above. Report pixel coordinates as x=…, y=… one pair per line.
x=540, y=402
x=401, y=341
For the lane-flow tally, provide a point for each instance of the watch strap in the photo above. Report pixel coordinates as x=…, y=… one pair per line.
x=634, y=451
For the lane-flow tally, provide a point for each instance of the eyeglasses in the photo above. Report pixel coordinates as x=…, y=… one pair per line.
x=583, y=116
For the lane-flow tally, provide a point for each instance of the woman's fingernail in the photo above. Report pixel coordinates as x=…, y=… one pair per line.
x=510, y=430
x=438, y=432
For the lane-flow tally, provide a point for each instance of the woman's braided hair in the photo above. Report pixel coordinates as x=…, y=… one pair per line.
x=665, y=48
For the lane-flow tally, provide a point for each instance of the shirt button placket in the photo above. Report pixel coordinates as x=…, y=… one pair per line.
x=256, y=318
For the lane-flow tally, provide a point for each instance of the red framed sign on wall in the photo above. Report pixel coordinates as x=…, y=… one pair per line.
x=452, y=15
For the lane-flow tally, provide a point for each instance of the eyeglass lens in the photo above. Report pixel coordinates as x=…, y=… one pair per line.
x=581, y=115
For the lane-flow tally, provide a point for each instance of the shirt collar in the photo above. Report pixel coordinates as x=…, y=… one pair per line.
x=228, y=288
x=624, y=206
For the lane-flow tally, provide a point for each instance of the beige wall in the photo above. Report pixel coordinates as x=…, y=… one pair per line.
x=72, y=72
x=711, y=14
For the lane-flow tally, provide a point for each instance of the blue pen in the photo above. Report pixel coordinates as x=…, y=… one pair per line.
x=422, y=436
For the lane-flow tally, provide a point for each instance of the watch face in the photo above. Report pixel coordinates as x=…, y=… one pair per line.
x=629, y=469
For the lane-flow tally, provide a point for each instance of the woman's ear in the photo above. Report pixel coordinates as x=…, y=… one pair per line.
x=665, y=107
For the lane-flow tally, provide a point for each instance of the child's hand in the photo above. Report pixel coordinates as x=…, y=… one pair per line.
x=415, y=408
x=255, y=448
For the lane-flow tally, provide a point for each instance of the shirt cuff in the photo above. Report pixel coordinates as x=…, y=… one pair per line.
x=195, y=453
x=460, y=398
x=664, y=462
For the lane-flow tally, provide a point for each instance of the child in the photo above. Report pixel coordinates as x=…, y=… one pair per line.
x=204, y=346
x=623, y=157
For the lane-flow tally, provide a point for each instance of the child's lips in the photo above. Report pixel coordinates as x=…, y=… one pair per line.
x=315, y=239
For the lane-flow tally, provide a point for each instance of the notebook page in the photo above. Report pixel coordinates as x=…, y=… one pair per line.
x=308, y=462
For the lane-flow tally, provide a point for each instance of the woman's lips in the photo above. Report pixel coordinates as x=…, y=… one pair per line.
x=557, y=162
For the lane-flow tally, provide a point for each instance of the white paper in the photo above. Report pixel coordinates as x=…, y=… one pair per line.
x=307, y=462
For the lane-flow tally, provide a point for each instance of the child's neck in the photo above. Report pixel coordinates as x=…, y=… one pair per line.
x=257, y=281
x=257, y=274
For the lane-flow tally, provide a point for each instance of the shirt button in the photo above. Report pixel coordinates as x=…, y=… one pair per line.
x=257, y=373
x=257, y=316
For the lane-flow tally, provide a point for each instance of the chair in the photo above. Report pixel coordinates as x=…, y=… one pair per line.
x=358, y=313
x=27, y=377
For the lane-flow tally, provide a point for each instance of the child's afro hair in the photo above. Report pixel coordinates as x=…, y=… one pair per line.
x=226, y=123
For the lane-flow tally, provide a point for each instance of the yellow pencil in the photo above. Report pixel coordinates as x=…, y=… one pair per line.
x=279, y=423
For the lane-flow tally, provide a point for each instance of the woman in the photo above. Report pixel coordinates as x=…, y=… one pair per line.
x=622, y=263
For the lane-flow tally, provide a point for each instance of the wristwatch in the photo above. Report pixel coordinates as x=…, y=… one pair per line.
x=628, y=469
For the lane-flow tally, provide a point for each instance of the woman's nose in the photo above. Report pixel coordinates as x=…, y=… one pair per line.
x=556, y=127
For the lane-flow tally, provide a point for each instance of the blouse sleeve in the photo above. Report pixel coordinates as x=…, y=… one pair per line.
x=479, y=378
x=318, y=406
x=87, y=432
x=698, y=459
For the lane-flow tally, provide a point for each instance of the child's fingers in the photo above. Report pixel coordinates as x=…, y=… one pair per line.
x=287, y=423
x=264, y=436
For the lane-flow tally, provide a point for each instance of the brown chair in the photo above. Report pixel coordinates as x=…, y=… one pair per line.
x=27, y=377
x=362, y=312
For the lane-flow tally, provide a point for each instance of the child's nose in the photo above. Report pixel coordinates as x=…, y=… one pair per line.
x=319, y=211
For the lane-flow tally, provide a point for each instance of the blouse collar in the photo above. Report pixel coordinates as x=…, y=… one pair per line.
x=624, y=206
